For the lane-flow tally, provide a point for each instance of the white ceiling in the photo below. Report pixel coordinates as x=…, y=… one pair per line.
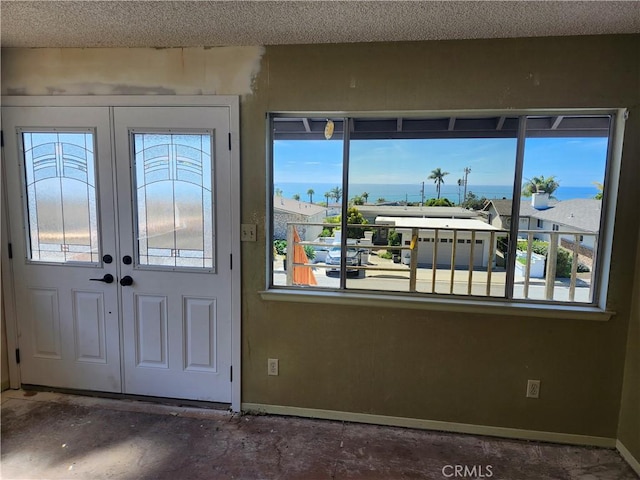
x=216, y=23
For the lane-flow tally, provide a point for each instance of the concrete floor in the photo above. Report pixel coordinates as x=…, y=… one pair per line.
x=56, y=436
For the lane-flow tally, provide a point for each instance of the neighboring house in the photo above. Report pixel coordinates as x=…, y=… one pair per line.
x=498, y=214
x=482, y=245
x=372, y=212
x=287, y=210
x=576, y=215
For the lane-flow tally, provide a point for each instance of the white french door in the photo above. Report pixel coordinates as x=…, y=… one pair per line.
x=60, y=190
x=174, y=181
x=121, y=221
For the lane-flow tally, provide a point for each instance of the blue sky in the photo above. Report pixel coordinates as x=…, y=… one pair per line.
x=573, y=161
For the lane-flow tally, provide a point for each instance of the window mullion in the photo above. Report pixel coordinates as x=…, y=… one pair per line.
x=346, y=138
x=515, y=207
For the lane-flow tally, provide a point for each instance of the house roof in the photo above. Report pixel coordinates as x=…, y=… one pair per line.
x=289, y=205
x=578, y=213
x=503, y=207
x=410, y=211
x=453, y=223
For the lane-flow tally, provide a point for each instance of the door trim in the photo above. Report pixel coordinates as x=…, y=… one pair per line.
x=229, y=101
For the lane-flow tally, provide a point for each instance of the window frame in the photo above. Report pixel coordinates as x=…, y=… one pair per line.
x=594, y=310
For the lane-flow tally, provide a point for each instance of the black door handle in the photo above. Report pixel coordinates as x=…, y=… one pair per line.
x=126, y=281
x=108, y=278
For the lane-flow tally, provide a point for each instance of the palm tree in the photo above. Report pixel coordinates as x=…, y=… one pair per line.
x=310, y=192
x=336, y=193
x=278, y=192
x=365, y=196
x=327, y=195
x=437, y=176
x=296, y=197
x=600, y=187
x=540, y=185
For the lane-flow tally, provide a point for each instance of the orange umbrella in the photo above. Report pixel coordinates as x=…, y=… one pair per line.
x=301, y=275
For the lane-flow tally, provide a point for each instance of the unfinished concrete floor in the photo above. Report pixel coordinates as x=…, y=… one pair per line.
x=55, y=436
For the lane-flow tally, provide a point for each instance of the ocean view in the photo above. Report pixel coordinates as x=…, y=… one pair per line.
x=411, y=192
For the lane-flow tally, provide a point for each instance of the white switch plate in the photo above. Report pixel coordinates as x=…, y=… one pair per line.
x=272, y=366
x=248, y=232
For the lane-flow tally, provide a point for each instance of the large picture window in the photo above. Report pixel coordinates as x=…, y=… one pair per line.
x=501, y=206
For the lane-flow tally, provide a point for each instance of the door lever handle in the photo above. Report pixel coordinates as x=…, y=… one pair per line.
x=108, y=278
x=126, y=281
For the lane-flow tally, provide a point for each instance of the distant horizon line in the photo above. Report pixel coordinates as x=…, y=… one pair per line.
x=339, y=184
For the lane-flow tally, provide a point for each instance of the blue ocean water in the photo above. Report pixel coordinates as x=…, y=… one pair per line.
x=412, y=193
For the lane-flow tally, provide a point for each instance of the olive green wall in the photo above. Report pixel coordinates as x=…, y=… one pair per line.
x=430, y=365
x=629, y=426
x=434, y=365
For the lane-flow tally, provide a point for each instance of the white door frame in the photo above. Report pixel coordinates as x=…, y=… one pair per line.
x=229, y=101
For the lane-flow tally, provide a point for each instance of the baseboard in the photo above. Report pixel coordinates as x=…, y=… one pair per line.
x=626, y=454
x=515, y=433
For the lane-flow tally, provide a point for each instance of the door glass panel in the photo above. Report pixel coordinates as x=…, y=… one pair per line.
x=61, y=196
x=173, y=185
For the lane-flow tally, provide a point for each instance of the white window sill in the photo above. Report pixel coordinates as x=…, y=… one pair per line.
x=438, y=304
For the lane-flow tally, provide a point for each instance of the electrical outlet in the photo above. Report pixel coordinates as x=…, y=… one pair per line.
x=272, y=366
x=248, y=232
x=533, y=388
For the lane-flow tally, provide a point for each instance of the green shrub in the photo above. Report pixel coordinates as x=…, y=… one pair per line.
x=280, y=246
x=394, y=240
x=438, y=202
x=311, y=253
x=386, y=254
x=582, y=268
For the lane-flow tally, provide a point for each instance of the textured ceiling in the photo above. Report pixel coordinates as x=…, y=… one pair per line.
x=207, y=23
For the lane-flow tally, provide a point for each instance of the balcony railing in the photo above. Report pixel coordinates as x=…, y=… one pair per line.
x=457, y=261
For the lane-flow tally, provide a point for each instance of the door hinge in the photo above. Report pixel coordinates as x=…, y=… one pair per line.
x=231, y=373
x=17, y=355
x=231, y=261
x=10, y=251
x=229, y=140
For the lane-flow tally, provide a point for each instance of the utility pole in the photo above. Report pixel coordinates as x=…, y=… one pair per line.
x=422, y=194
x=467, y=171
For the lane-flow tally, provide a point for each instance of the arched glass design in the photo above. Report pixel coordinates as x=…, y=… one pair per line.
x=60, y=178
x=173, y=186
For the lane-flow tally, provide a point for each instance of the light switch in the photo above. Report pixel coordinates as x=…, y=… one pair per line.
x=248, y=232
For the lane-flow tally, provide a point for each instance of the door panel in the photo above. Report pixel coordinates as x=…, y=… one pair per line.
x=60, y=185
x=89, y=327
x=174, y=177
x=150, y=331
x=200, y=329
x=46, y=322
